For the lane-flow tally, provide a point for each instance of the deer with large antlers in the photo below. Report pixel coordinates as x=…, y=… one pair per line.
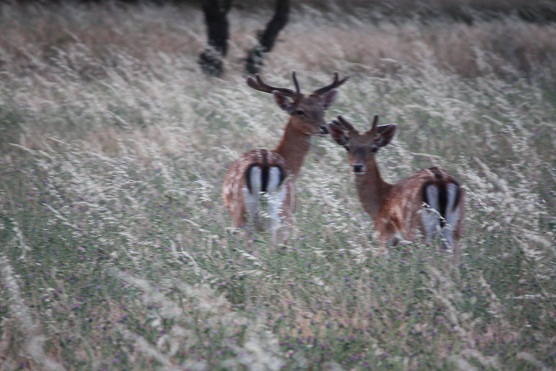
x=430, y=200
x=266, y=177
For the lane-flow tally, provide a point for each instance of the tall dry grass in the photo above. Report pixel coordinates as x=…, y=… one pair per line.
x=116, y=251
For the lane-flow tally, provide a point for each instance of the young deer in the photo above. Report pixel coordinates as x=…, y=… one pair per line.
x=269, y=175
x=430, y=200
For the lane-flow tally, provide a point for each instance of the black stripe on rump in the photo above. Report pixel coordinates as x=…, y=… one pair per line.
x=438, y=176
x=442, y=203
x=265, y=173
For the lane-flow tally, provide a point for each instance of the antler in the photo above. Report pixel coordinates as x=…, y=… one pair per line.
x=333, y=85
x=260, y=85
x=342, y=122
x=373, y=127
x=294, y=78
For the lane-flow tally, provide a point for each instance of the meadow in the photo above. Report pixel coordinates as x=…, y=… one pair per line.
x=116, y=251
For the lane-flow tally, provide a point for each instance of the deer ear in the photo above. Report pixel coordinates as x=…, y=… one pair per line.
x=386, y=134
x=283, y=101
x=328, y=98
x=338, y=134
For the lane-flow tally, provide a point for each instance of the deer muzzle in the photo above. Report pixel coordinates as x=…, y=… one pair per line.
x=358, y=169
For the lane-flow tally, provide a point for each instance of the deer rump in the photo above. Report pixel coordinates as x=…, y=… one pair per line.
x=263, y=178
x=429, y=200
x=263, y=192
x=256, y=190
x=441, y=197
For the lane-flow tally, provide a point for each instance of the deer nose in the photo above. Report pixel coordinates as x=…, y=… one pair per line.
x=358, y=168
x=324, y=129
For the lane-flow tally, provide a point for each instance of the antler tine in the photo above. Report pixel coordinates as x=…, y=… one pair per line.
x=345, y=124
x=294, y=78
x=375, y=122
x=333, y=85
x=260, y=85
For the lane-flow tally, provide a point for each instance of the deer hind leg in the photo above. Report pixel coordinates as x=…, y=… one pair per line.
x=430, y=213
x=276, y=198
x=433, y=219
x=236, y=205
x=252, y=198
x=274, y=208
x=452, y=217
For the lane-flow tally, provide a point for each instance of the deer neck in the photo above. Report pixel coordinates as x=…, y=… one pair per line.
x=293, y=147
x=372, y=189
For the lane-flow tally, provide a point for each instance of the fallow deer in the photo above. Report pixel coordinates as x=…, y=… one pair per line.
x=430, y=200
x=269, y=175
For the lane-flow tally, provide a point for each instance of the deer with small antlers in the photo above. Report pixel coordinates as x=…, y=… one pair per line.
x=268, y=176
x=430, y=200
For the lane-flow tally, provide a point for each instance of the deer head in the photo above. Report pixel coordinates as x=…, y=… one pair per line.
x=306, y=111
x=361, y=147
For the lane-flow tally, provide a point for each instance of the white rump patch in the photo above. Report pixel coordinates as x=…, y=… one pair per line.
x=252, y=198
x=276, y=197
x=270, y=202
x=452, y=216
x=274, y=176
x=430, y=214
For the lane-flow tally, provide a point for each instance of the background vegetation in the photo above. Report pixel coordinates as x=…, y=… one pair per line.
x=116, y=251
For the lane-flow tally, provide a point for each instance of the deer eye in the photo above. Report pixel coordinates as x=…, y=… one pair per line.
x=300, y=113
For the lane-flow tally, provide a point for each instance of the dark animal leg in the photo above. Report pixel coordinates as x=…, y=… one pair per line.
x=268, y=37
x=215, y=12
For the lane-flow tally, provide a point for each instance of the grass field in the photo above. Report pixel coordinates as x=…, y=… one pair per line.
x=116, y=251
